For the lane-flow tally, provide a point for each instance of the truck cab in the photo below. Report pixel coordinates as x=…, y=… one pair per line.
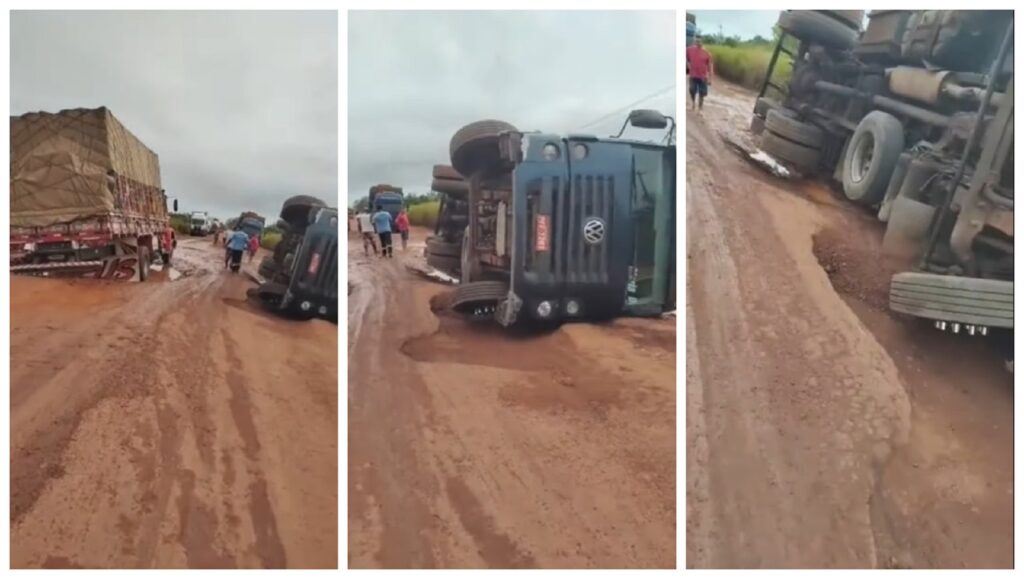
x=571, y=227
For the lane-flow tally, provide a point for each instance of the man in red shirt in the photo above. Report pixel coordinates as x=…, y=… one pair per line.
x=701, y=70
x=402, y=221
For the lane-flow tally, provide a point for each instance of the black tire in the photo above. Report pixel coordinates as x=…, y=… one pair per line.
x=982, y=302
x=458, y=189
x=765, y=104
x=474, y=147
x=818, y=28
x=852, y=18
x=268, y=268
x=804, y=158
x=785, y=125
x=446, y=172
x=469, y=296
x=295, y=210
x=449, y=265
x=438, y=246
x=871, y=157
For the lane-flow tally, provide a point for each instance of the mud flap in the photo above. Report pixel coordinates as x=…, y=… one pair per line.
x=907, y=228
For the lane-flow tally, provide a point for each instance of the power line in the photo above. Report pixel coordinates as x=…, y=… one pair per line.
x=629, y=106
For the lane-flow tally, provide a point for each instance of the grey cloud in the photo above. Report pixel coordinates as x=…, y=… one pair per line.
x=415, y=77
x=241, y=107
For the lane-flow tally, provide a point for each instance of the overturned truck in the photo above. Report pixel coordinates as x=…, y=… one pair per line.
x=913, y=116
x=548, y=228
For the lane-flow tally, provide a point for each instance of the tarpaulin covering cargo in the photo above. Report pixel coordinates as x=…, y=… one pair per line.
x=78, y=164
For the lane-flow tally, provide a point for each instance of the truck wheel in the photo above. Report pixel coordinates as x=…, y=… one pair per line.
x=765, y=104
x=852, y=18
x=788, y=127
x=803, y=157
x=819, y=28
x=295, y=210
x=437, y=246
x=474, y=147
x=268, y=269
x=446, y=172
x=449, y=265
x=871, y=157
x=469, y=297
x=457, y=189
x=967, y=300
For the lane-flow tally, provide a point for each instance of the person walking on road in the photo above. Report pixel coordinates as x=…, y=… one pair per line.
x=254, y=245
x=382, y=224
x=402, y=223
x=236, y=246
x=701, y=70
x=365, y=225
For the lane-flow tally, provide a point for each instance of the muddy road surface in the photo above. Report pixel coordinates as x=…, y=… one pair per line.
x=823, y=431
x=169, y=424
x=470, y=447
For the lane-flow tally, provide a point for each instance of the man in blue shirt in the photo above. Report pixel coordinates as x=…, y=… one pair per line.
x=382, y=224
x=236, y=245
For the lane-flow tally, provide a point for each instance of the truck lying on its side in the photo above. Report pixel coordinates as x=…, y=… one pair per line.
x=85, y=196
x=914, y=117
x=553, y=228
x=301, y=276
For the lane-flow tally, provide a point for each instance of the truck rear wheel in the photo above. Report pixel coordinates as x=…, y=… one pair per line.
x=787, y=126
x=480, y=296
x=803, y=157
x=438, y=246
x=446, y=172
x=819, y=28
x=474, y=147
x=871, y=157
x=458, y=189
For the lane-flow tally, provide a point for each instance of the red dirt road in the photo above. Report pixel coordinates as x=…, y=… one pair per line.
x=473, y=448
x=169, y=424
x=823, y=431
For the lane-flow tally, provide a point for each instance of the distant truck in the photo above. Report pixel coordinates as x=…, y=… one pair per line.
x=387, y=197
x=913, y=116
x=86, y=196
x=199, y=223
x=251, y=223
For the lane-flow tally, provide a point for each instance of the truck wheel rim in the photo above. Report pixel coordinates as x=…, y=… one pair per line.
x=862, y=157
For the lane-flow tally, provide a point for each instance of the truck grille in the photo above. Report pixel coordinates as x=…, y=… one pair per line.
x=574, y=259
x=325, y=280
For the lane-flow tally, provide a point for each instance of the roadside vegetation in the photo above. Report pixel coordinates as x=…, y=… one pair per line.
x=745, y=62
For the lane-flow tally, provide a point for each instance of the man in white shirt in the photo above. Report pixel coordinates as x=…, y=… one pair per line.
x=367, y=232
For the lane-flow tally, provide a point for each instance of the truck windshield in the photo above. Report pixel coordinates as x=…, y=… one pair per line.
x=652, y=210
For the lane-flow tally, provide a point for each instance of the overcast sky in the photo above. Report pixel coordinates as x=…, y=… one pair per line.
x=745, y=24
x=417, y=77
x=241, y=107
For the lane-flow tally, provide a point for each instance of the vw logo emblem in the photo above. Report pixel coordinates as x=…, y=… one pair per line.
x=593, y=230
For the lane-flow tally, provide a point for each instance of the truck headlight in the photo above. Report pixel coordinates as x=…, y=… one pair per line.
x=544, y=309
x=551, y=152
x=579, y=151
x=572, y=307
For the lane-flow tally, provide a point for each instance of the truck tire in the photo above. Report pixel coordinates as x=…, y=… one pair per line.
x=819, y=28
x=803, y=157
x=438, y=246
x=966, y=300
x=765, y=104
x=458, y=189
x=474, y=147
x=296, y=210
x=852, y=18
x=268, y=268
x=871, y=157
x=449, y=265
x=446, y=172
x=787, y=126
x=470, y=296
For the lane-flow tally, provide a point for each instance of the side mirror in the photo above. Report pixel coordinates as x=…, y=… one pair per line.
x=648, y=119
x=175, y=205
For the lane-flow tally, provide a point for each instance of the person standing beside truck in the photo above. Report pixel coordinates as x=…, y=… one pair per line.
x=402, y=223
x=700, y=68
x=254, y=245
x=365, y=225
x=236, y=245
x=382, y=224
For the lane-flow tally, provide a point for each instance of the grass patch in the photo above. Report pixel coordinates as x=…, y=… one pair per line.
x=180, y=223
x=747, y=64
x=424, y=214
